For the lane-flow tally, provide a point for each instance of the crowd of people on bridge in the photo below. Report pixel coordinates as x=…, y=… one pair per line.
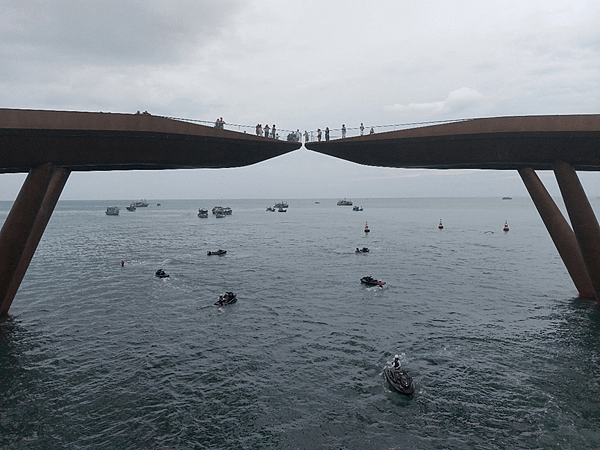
x=296, y=136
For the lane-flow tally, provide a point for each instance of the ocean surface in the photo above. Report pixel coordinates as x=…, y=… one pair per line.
x=98, y=356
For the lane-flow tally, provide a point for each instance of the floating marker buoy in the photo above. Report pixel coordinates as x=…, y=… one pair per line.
x=440, y=226
x=367, y=228
x=122, y=263
x=505, y=226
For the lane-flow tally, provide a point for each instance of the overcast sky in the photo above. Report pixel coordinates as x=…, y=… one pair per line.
x=301, y=64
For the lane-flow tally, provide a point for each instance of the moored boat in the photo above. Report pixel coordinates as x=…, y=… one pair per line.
x=112, y=211
x=140, y=204
x=131, y=207
x=218, y=252
x=344, y=202
x=203, y=213
x=281, y=205
x=357, y=208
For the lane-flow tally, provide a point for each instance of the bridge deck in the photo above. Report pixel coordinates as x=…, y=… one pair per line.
x=86, y=141
x=493, y=143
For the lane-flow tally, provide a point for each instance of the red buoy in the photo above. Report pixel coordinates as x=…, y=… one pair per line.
x=440, y=226
x=367, y=228
x=505, y=226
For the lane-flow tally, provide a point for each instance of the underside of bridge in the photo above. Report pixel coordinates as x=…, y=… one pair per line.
x=49, y=145
x=563, y=144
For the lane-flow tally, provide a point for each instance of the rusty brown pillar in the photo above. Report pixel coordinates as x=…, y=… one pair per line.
x=583, y=220
x=560, y=231
x=57, y=183
x=19, y=224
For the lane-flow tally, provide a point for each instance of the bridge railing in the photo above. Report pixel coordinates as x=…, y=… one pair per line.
x=334, y=133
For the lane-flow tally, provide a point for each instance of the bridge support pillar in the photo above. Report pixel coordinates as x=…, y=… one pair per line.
x=583, y=220
x=25, y=225
x=561, y=233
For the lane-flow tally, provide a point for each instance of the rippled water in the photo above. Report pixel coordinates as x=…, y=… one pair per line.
x=96, y=355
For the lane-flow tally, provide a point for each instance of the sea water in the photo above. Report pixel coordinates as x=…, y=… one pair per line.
x=99, y=355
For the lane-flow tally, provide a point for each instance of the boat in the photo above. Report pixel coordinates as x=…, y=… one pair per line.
x=131, y=207
x=282, y=210
x=218, y=252
x=220, y=214
x=112, y=211
x=158, y=204
x=367, y=230
x=357, y=208
x=344, y=203
x=140, y=204
x=401, y=381
x=228, y=298
x=161, y=274
x=281, y=205
x=227, y=210
x=203, y=213
x=362, y=250
x=506, y=198
x=217, y=208
x=370, y=281
x=270, y=208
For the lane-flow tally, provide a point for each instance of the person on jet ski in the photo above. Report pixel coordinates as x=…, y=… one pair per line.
x=396, y=363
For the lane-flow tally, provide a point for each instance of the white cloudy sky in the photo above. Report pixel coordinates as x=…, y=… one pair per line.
x=301, y=64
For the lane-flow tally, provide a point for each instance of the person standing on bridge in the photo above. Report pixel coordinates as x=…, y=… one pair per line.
x=319, y=134
x=343, y=130
x=372, y=131
x=267, y=130
x=306, y=136
x=273, y=131
x=362, y=129
x=326, y=133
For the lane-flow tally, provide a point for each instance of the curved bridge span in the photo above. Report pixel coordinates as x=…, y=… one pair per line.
x=501, y=143
x=50, y=144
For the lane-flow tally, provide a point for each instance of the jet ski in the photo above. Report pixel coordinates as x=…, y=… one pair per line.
x=218, y=252
x=370, y=281
x=161, y=274
x=400, y=380
x=228, y=298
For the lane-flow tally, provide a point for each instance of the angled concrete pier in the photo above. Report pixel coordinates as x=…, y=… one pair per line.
x=561, y=233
